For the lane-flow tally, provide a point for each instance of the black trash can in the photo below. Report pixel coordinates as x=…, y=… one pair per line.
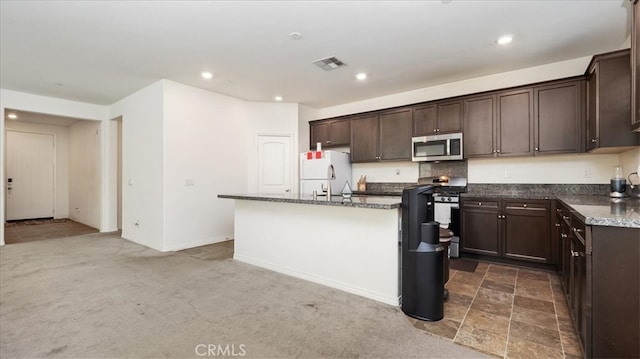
x=423, y=277
x=422, y=257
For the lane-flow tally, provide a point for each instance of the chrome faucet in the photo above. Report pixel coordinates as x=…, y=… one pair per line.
x=331, y=175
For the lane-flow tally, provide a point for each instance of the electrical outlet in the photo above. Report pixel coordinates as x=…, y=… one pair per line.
x=397, y=172
x=586, y=173
x=507, y=173
x=137, y=224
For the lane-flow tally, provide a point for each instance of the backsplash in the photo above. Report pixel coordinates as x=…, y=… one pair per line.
x=445, y=168
x=518, y=189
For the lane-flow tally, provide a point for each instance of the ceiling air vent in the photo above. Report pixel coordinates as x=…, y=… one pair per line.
x=329, y=63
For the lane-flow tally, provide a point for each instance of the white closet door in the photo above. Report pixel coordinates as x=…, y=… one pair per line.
x=274, y=164
x=30, y=175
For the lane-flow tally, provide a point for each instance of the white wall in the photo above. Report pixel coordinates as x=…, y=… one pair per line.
x=630, y=161
x=61, y=135
x=559, y=169
x=42, y=104
x=305, y=114
x=271, y=119
x=401, y=171
x=142, y=165
x=84, y=173
x=205, y=154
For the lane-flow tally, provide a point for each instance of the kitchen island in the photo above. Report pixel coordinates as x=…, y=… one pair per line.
x=351, y=245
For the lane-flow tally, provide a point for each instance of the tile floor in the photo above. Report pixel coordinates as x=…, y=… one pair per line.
x=36, y=230
x=507, y=312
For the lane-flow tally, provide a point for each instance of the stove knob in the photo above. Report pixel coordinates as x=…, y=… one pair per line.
x=449, y=199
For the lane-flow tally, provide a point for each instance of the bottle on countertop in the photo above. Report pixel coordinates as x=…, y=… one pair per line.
x=362, y=184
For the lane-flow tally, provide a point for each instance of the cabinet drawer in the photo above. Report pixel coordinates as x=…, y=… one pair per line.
x=578, y=229
x=563, y=215
x=529, y=208
x=480, y=203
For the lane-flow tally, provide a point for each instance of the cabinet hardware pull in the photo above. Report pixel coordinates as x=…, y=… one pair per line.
x=558, y=210
x=479, y=203
x=328, y=142
x=524, y=205
x=536, y=148
x=564, y=235
x=557, y=224
x=565, y=217
x=575, y=254
x=498, y=151
x=577, y=230
x=499, y=216
x=435, y=130
x=594, y=140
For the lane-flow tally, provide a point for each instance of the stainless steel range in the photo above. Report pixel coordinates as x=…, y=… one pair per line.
x=446, y=203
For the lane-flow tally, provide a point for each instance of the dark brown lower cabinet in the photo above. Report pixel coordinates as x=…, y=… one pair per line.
x=600, y=273
x=480, y=226
x=517, y=229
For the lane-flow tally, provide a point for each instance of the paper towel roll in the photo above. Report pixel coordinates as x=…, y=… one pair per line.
x=442, y=214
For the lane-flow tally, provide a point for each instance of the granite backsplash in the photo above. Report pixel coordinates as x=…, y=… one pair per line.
x=501, y=189
x=525, y=189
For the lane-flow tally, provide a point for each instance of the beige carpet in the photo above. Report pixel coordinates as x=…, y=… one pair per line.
x=99, y=296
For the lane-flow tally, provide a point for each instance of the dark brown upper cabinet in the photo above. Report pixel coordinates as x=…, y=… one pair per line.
x=383, y=136
x=609, y=103
x=479, y=126
x=437, y=117
x=330, y=133
x=559, y=117
x=514, y=123
x=364, y=138
x=635, y=67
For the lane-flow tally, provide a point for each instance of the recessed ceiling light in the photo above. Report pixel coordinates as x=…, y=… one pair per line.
x=278, y=98
x=361, y=76
x=503, y=40
x=206, y=75
x=12, y=116
x=295, y=36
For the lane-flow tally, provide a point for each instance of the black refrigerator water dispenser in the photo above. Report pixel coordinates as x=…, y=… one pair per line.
x=422, y=261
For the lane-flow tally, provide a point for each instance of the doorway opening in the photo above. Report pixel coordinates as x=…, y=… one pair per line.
x=52, y=183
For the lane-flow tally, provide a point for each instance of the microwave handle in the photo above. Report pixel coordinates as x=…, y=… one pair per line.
x=448, y=147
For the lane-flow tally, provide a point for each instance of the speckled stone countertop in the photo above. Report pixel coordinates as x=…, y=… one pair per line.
x=358, y=201
x=605, y=211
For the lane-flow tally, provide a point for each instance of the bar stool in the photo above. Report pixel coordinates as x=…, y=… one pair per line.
x=445, y=239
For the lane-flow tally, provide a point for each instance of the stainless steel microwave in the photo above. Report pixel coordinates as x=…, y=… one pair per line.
x=437, y=147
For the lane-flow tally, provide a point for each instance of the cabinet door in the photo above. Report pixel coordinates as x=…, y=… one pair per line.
x=478, y=124
x=425, y=119
x=449, y=117
x=340, y=133
x=614, y=102
x=558, y=118
x=592, y=108
x=364, y=139
x=319, y=131
x=395, y=134
x=526, y=231
x=480, y=227
x=515, y=123
x=635, y=68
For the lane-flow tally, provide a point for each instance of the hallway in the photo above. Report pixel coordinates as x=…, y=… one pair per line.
x=41, y=229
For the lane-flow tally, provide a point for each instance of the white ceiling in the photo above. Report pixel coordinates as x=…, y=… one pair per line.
x=101, y=51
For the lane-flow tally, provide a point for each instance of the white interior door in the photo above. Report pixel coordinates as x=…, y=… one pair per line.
x=274, y=164
x=30, y=175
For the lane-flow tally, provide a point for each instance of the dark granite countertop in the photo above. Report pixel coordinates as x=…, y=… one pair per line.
x=358, y=201
x=604, y=210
